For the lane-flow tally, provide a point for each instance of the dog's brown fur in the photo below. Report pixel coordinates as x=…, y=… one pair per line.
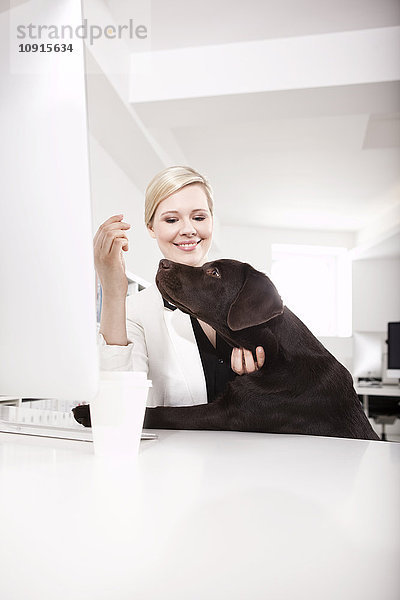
x=300, y=389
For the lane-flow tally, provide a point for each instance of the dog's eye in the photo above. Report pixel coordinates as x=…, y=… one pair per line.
x=213, y=272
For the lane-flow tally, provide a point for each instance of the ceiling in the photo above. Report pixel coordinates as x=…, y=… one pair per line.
x=184, y=23
x=323, y=158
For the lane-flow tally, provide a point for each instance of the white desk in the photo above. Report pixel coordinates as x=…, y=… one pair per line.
x=382, y=390
x=203, y=516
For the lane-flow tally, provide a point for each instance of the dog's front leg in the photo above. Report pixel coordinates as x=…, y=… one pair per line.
x=213, y=416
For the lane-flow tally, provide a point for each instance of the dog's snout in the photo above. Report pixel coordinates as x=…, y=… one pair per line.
x=165, y=264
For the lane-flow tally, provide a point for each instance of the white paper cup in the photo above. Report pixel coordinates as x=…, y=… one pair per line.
x=117, y=413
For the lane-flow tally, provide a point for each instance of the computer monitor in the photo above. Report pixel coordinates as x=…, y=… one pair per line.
x=393, y=342
x=47, y=300
x=367, y=355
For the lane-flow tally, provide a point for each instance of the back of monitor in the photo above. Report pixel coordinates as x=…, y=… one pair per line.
x=47, y=299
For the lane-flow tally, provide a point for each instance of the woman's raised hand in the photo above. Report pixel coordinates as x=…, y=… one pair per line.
x=243, y=363
x=109, y=241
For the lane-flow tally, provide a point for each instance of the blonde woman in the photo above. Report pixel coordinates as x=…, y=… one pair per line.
x=186, y=359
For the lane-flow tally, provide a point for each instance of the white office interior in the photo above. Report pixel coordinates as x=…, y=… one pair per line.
x=291, y=110
x=298, y=157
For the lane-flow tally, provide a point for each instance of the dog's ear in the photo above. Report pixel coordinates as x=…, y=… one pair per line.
x=257, y=302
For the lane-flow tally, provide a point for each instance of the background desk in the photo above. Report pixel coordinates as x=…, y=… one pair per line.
x=383, y=390
x=202, y=516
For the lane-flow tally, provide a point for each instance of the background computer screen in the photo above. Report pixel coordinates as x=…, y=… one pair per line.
x=394, y=349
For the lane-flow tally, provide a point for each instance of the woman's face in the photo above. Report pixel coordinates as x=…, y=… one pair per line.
x=182, y=226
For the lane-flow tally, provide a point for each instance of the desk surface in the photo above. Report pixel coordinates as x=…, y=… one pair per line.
x=382, y=390
x=201, y=516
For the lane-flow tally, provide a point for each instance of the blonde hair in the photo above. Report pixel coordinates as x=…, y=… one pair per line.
x=168, y=182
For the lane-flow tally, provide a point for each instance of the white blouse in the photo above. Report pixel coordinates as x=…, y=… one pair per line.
x=162, y=344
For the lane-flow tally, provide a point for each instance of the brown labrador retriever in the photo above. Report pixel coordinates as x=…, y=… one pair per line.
x=301, y=389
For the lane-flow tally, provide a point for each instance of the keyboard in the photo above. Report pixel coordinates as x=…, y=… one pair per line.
x=48, y=423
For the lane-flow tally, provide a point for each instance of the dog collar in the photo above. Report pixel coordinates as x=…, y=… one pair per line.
x=169, y=305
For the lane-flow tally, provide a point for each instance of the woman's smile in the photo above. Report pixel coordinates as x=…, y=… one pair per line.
x=187, y=246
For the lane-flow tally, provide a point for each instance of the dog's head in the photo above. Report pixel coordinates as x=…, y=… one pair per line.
x=229, y=295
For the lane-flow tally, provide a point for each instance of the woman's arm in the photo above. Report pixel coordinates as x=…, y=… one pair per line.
x=130, y=357
x=109, y=242
x=113, y=321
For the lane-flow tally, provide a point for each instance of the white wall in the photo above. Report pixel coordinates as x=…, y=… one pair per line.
x=376, y=283
x=253, y=244
x=376, y=293
x=113, y=192
x=376, y=300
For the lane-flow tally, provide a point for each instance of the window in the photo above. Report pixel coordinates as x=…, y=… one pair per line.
x=315, y=283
